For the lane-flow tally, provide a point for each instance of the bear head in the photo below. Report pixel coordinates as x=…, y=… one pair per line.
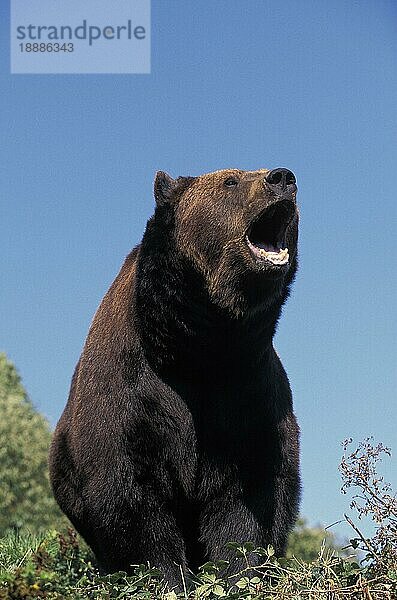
x=237, y=229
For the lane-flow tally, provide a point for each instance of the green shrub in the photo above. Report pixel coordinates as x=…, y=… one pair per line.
x=26, y=500
x=58, y=568
x=304, y=542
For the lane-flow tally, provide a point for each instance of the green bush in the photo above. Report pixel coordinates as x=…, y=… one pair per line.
x=58, y=568
x=26, y=500
x=304, y=542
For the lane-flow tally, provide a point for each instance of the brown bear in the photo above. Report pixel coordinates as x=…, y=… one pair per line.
x=179, y=434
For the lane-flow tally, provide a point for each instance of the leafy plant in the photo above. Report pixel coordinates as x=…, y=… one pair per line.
x=304, y=542
x=25, y=497
x=59, y=568
x=373, y=497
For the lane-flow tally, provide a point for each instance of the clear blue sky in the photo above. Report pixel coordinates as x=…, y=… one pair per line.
x=310, y=85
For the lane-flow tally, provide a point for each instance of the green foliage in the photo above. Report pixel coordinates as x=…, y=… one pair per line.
x=304, y=541
x=25, y=496
x=374, y=498
x=10, y=382
x=57, y=568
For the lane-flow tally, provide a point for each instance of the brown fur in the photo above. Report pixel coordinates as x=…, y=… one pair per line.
x=178, y=435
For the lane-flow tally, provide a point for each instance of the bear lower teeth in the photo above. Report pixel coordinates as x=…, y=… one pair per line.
x=276, y=257
x=280, y=257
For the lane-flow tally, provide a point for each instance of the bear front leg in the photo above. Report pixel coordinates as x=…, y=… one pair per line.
x=286, y=503
x=262, y=518
x=229, y=520
x=135, y=531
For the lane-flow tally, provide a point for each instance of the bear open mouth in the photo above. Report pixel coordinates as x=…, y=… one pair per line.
x=266, y=235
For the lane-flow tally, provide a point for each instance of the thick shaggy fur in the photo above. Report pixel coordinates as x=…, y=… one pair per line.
x=179, y=435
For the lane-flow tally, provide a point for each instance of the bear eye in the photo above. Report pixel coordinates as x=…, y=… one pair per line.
x=230, y=182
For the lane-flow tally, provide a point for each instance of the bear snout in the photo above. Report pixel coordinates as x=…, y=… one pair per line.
x=280, y=178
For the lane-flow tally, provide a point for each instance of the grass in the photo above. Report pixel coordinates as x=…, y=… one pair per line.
x=56, y=566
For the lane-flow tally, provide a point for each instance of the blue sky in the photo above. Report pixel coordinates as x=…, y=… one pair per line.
x=307, y=85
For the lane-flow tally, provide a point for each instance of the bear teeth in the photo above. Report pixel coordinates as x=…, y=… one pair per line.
x=278, y=258
x=281, y=257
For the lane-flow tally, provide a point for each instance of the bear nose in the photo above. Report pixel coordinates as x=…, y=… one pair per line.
x=280, y=177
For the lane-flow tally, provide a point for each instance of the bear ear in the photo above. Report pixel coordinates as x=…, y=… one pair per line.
x=164, y=187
